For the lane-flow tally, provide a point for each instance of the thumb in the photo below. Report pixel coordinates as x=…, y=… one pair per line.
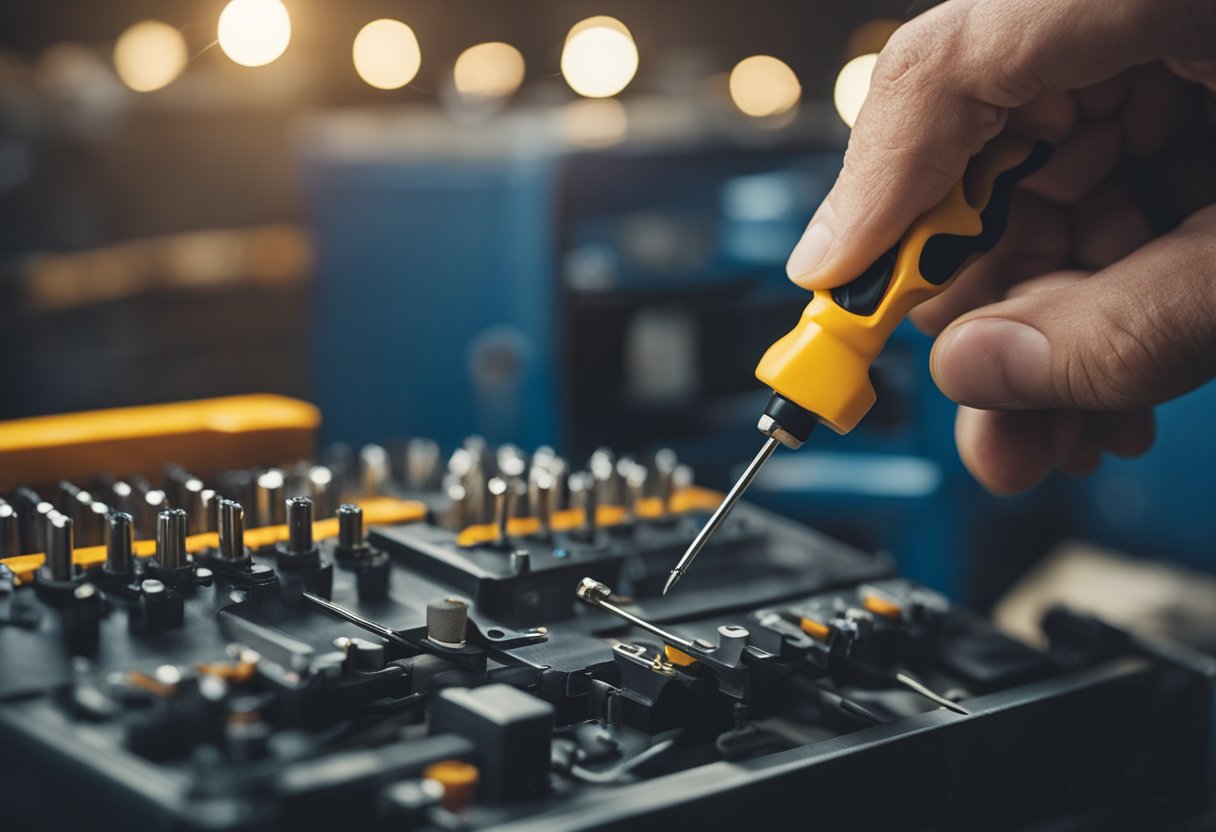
x=943, y=86
x=1137, y=333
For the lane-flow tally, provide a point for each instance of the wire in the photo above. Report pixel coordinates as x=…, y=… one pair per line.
x=614, y=774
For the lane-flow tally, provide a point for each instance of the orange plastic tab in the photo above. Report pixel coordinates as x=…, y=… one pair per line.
x=881, y=605
x=203, y=436
x=459, y=781
x=815, y=629
x=377, y=511
x=692, y=498
x=677, y=657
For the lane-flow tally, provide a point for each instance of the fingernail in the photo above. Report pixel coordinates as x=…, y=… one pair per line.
x=810, y=251
x=993, y=363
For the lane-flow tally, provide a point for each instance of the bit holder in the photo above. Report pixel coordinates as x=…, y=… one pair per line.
x=352, y=552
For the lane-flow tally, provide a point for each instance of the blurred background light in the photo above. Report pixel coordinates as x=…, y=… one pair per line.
x=254, y=32
x=149, y=55
x=764, y=86
x=593, y=124
x=872, y=36
x=489, y=71
x=852, y=85
x=599, y=58
x=386, y=53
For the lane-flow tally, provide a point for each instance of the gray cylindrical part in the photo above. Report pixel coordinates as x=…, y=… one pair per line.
x=665, y=463
x=447, y=620
x=118, y=542
x=171, y=538
x=210, y=502
x=500, y=491
x=299, y=524
x=559, y=470
x=540, y=499
x=373, y=469
x=192, y=502
x=232, y=530
x=321, y=489
x=350, y=525
x=457, y=513
x=59, y=545
x=422, y=462
x=87, y=531
x=10, y=531
x=269, y=498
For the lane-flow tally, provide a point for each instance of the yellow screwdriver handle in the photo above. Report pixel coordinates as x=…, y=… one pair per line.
x=823, y=364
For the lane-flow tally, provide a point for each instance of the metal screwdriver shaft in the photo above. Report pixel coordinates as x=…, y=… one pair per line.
x=728, y=502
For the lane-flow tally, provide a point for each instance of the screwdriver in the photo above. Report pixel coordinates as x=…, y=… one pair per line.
x=819, y=372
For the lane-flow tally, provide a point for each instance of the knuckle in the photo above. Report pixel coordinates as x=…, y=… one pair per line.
x=1118, y=367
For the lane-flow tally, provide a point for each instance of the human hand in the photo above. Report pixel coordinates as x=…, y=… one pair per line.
x=1100, y=300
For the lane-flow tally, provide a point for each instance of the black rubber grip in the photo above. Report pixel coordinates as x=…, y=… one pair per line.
x=862, y=294
x=943, y=254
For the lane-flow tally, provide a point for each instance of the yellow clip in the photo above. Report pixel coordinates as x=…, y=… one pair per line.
x=815, y=630
x=677, y=657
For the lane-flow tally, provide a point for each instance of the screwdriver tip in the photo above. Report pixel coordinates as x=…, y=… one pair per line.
x=671, y=580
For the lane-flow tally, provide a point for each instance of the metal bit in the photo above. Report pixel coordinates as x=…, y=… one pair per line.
x=517, y=498
x=268, y=500
x=350, y=526
x=232, y=530
x=599, y=595
x=456, y=518
x=299, y=524
x=540, y=492
x=682, y=477
x=123, y=497
x=602, y=466
x=321, y=489
x=210, y=501
x=499, y=491
x=97, y=521
x=374, y=470
x=81, y=512
x=60, y=543
x=119, y=534
x=192, y=501
x=10, y=531
x=559, y=469
x=583, y=497
x=511, y=461
x=67, y=497
x=723, y=509
x=41, y=523
x=635, y=490
x=171, y=538
x=150, y=507
x=665, y=464
x=422, y=463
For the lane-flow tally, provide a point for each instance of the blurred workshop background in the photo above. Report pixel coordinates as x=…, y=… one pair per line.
x=543, y=222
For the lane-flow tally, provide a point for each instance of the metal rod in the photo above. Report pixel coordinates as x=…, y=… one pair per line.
x=599, y=595
x=912, y=684
x=723, y=509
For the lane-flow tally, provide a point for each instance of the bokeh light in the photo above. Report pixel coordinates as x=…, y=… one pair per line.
x=852, y=86
x=597, y=123
x=763, y=86
x=386, y=53
x=254, y=32
x=488, y=71
x=599, y=58
x=149, y=55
